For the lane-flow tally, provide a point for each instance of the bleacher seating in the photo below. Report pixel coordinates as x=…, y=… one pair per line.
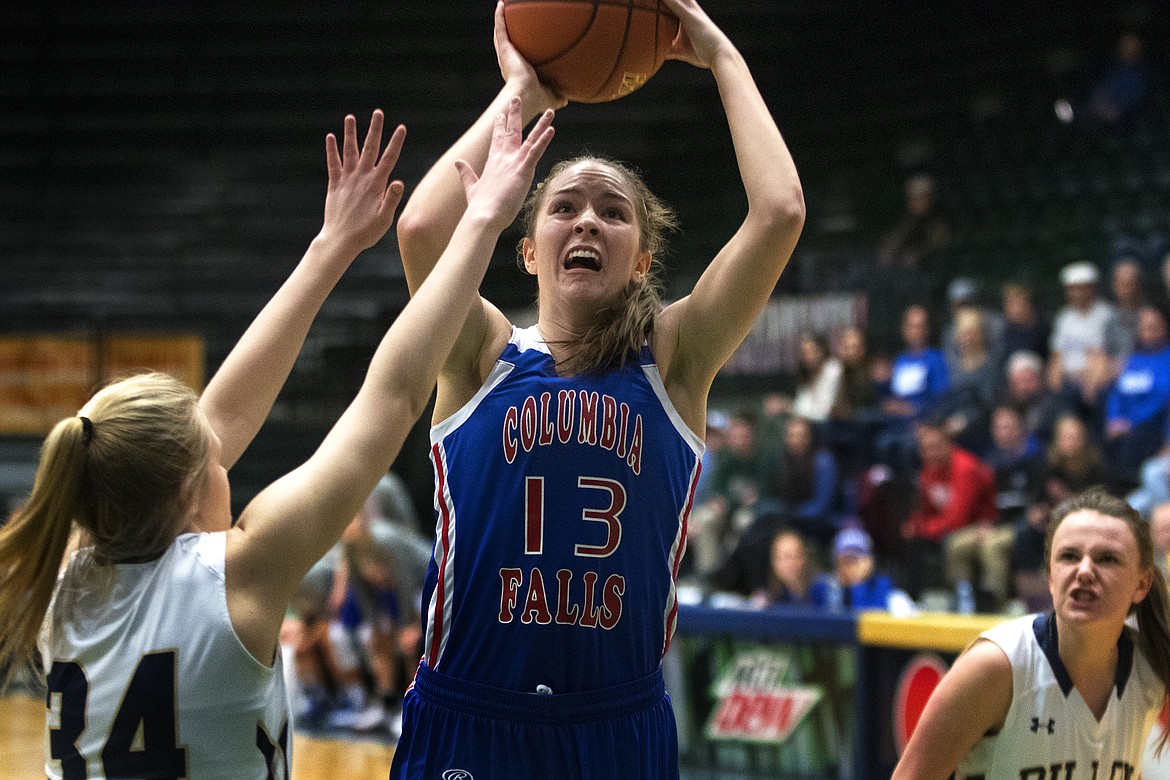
x=161, y=164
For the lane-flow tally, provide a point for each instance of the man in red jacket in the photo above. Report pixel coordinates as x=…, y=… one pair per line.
x=956, y=490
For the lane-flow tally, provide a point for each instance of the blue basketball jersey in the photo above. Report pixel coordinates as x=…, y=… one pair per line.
x=562, y=506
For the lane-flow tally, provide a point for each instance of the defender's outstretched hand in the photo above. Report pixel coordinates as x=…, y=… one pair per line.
x=359, y=206
x=499, y=192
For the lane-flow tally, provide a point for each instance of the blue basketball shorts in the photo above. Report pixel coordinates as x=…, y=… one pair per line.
x=457, y=730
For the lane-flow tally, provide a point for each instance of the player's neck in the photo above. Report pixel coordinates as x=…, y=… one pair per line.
x=1091, y=660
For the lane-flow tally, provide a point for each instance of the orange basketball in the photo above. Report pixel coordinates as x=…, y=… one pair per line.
x=591, y=51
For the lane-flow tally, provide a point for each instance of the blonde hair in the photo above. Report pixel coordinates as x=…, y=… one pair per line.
x=1153, y=612
x=621, y=328
x=123, y=473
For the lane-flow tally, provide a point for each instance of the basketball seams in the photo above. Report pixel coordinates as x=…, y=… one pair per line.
x=592, y=20
x=591, y=51
x=617, y=60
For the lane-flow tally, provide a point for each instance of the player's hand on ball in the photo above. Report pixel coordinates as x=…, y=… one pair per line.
x=513, y=67
x=699, y=39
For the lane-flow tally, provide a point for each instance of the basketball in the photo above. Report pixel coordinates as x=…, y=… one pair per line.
x=591, y=51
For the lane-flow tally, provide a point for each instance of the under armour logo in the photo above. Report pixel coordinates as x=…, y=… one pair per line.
x=1036, y=725
x=457, y=774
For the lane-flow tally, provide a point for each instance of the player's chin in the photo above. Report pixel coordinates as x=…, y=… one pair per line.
x=1083, y=611
x=588, y=286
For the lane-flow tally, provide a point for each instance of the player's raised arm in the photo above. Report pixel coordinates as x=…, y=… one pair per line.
x=359, y=209
x=710, y=323
x=293, y=522
x=970, y=702
x=436, y=204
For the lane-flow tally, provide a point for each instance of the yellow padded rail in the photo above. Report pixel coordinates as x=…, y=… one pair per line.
x=929, y=631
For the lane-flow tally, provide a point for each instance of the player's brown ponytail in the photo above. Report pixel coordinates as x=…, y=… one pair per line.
x=1153, y=618
x=123, y=471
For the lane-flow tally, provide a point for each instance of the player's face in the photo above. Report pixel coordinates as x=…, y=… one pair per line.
x=1095, y=573
x=587, y=242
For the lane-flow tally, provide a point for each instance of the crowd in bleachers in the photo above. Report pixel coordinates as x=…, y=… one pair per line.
x=931, y=442
x=942, y=461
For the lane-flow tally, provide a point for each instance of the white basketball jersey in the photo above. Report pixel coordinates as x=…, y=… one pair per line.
x=147, y=679
x=1050, y=732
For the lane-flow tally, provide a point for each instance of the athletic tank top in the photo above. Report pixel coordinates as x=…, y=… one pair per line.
x=1050, y=732
x=561, y=512
x=146, y=677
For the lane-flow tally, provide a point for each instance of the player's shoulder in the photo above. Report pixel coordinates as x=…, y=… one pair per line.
x=988, y=659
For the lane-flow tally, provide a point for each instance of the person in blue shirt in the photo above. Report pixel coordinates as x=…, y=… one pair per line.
x=804, y=488
x=1135, y=409
x=918, y=379
x=854, y=579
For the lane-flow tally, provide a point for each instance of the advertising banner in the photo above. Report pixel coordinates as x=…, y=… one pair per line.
x=752, y=709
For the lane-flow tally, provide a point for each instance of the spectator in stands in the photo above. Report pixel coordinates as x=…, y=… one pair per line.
x=855, y=414
x=818, y=382
x=738, y=480
x=1026, y=392
x=1088, y=341
x=818, y=379
x=315, y=680
x=918, y=379
x=1160, y=529
x=974, y=376
x=1154, y=487
x=715, y=440
x=1124, y=89
x=376, y=600
x=1125, y=284
x=391, y=501
x=855, y=582
x=922, y=229
x=1024, y=328
x=791, y=569
x=1161, y=295
x=858, y=395
x=962, y=296
x=955, y=490
x=803, y=489
x=801, y=493
x=1073, y=464
x=1017, y=460
x=1136, y=407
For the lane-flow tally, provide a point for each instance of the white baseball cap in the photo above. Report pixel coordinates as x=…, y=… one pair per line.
x=1079, y=273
